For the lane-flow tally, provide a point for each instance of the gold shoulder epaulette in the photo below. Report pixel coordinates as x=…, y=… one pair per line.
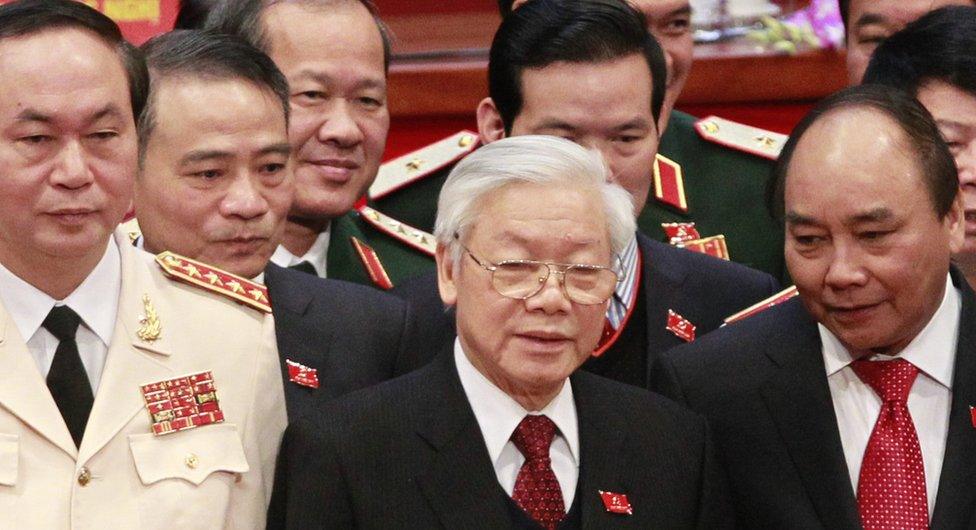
x=131, y=229
x=193, y=272
x=416, y=238
x=741, y=137
x=763, y=305
x=402, y=171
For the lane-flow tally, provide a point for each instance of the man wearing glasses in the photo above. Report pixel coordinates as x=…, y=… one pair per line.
x=504, y=432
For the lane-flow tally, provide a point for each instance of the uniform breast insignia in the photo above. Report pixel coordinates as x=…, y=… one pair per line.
x=132, y=230
x=215, y=280
x=616, y=503
x=182, y=403
x=149, y=325
x=685, y=235
x=741, y=137
x=669, y=184
x=415, y=238
x=763, y=305
x=680, y=326
x=402, y=171
x=302, y=375
x=377, y=273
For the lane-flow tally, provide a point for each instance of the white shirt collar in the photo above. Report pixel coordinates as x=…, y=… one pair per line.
x=96, y=300
x=933, y=350
x=498, y=414
x=316, y=254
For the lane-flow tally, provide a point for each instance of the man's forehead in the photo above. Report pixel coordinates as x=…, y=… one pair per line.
x=661, y=8
x=894, y=12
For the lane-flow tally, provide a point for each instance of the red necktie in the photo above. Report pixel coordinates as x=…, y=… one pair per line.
x=536, y=490
x=891, y=488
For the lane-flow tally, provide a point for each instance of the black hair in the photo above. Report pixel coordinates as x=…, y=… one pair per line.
x=193, y=13
x=505, y=7
x=940, y=46
x=204, y=55
x=243, y=18
x=930, y=152
x=543, y=32
x=28, y=17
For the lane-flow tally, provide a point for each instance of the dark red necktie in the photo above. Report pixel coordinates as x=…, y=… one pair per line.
x=537, y=491
x=891, y=489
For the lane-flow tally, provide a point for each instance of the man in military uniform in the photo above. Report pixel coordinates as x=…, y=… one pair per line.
x=710, y=172
x=129, y=400
x=215, y=185
x=335, y=55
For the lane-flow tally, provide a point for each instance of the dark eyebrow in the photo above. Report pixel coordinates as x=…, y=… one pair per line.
x=33, y=115
x=685, y=10
x=30, y=114
x=325, y=79
x=872, y=216
x=793, y=218
x=869, y=19
x=204, y=155
x=636, y=123
x=555, y=123
x=283, y=148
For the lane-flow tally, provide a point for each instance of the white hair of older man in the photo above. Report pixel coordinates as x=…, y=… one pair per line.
x=530, y=159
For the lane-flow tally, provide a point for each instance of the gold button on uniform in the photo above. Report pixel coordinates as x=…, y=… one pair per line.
x=191, y=461
x=84, y=477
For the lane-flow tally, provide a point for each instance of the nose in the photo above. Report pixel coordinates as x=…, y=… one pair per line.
x=72, y=171
x=845, y=270
x=340, y=127
x=244, y=199
x=552, y=298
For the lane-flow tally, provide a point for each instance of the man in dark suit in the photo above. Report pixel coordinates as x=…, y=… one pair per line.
x=500, y=432
x=851, y=405
x=215, y=185
x=538, y=67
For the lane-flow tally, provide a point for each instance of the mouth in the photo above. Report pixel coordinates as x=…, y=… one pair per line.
x=72, y=215
x=545, y=341
x=244, y=244
x=852, y=312
x=337, y=170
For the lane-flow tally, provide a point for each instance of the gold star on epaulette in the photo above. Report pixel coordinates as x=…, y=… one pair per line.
x=741, y=137
x=418, y=239
x=411, y=167
x=212, y=279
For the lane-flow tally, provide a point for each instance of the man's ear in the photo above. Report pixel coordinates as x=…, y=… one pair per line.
x=445, y=275
x=490, y=125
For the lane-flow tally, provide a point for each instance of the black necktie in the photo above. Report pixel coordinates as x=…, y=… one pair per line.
x=304, y=266
x=67, y=379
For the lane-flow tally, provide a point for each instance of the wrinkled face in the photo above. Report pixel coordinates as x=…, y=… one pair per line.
x=560, y=99
x=670, y=23
x=863, y=242
x=872, y=21
x=215, y=183
x=527, y=347
x=333, y=59
x=67, y=146
x=955, y=112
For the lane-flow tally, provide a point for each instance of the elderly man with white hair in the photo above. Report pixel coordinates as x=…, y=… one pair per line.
x=504, y=431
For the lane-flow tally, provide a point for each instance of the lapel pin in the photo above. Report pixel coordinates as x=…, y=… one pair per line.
x=680, y=326
x=302, y=375
x=616, y=503
x=183, y=403
x=972, y=414
x=149, y=326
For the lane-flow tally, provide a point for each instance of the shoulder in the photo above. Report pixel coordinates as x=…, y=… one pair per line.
x=643, y=409
x=204, y=280
x=713, y=136
x=418, y=165
x=704, y=267
x=338, y=293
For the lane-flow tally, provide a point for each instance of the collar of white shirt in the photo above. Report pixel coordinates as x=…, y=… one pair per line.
x=96, y=300
x=316, y=255
x=498, y=414
x=933, y=350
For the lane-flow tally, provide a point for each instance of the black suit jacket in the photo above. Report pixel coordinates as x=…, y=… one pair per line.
x=409, y=454
x=353, y=335
x=703, y=289
x=762, y=385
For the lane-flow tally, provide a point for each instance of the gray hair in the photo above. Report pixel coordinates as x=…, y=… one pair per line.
x=534, y=160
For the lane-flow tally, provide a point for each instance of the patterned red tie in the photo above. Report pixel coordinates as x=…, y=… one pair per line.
x=891, y=488
x=536, y=490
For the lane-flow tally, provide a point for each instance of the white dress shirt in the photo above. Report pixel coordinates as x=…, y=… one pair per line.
x=498, y=415
x=96, y=301
x=623, y=295
x=316, y=255
x=933, y=352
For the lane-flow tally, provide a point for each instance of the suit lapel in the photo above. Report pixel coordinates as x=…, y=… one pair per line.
x=602, y=434
x=799, y=402
x=460, y=483
x=130, y=362
x=956, y=499
x=24, y=392
x=661, y=285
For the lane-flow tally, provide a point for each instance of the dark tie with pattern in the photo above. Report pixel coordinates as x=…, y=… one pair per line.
x=304, y=266
x=537, y=491
x=891, y=488
x=67, y=379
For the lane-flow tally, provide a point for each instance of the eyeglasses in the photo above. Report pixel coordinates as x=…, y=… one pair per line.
x=521, y=279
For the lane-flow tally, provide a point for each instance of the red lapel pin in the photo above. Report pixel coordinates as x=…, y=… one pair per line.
x=972, y=414
x=680, y=326
x=302, y=375
x=616, y=503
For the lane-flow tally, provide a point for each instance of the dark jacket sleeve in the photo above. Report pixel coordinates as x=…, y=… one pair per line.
x=716, y=506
